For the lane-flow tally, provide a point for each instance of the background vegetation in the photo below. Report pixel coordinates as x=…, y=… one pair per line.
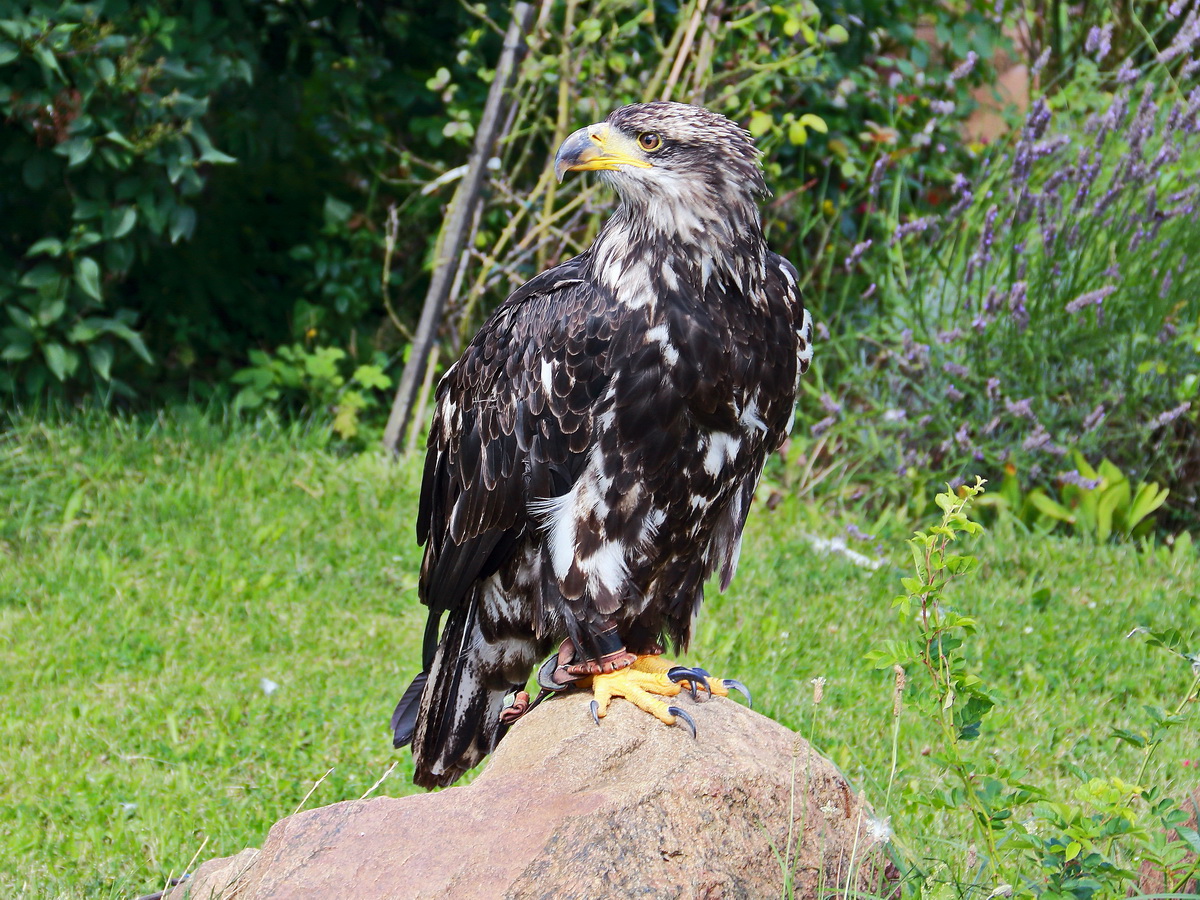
x=217, y=221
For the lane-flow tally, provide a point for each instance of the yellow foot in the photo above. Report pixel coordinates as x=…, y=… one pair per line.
x=651, y=677
x=691, y=678
x=640, y=686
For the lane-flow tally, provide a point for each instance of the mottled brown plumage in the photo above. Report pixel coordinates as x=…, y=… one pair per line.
x=595, y=451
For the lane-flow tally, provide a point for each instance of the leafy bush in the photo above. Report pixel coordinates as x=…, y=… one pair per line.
x=104, y=150
x=1050, y=306
x=303, y=381
x=1097, y=502
x=1025, y=842
x=135, y=255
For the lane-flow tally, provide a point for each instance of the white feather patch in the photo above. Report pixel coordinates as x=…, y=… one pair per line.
x=722, y=448
x=557, y=515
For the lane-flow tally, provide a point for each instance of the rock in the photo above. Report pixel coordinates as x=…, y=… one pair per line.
x=565, y=809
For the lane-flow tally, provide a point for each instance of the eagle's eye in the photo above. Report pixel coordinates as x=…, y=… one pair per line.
x=650, y=141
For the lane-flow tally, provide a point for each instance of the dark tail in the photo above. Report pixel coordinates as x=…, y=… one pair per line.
x=451, y=712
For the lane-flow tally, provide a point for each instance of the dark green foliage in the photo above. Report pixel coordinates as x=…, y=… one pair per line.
x=180, y=182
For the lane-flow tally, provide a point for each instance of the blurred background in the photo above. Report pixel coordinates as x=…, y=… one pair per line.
x=239, y=202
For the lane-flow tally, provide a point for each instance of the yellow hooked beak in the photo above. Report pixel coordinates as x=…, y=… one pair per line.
x=597, y=147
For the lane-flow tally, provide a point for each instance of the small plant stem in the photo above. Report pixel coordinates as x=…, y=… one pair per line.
x=1192, y=692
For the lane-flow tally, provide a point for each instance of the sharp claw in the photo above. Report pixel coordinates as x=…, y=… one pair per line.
x=735, y=685
x=693, y=677
x=688, y=720
x=595, y=708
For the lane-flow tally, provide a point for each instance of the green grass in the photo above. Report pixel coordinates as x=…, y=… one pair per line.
x=153, y=574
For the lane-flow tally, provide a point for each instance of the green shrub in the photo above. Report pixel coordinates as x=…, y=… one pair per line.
x=1051, y=306
x=1024, y=840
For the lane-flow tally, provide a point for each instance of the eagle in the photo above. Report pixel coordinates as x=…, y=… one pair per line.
x=594, y=452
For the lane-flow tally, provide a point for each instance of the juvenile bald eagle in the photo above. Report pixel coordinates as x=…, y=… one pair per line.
x=595, y=451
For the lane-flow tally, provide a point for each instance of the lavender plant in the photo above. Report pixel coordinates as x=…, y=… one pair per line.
x=1054, y=306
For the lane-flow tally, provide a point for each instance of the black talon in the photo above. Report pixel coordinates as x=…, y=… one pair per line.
x=680, y=714
x=734, y=684
x=595, y=707
x=693, y=677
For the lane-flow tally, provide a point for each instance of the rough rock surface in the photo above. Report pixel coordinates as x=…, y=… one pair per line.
x=565, y=810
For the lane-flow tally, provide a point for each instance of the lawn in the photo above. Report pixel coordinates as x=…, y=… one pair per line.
x=201, y=620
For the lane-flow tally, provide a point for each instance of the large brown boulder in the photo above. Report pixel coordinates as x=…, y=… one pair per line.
x=566, y=809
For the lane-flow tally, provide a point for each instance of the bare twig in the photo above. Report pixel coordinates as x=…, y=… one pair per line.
x=454, y=234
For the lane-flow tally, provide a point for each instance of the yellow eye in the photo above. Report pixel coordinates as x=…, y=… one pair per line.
x=649, y=141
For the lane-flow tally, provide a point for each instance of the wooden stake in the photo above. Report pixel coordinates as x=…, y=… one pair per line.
x=454, y=234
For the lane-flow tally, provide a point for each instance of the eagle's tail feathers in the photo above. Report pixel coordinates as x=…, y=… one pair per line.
x=404, y=719
x=458, y=720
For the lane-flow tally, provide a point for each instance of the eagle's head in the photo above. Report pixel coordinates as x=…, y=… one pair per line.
x=682, y=171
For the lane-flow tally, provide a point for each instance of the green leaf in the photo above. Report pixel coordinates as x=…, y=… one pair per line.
x=372, y=377
x=61, y=361
x=120, y=140
x=8, y=52
x=49, y=245
x=101, y=357
x=39, y=276
x=51, y=311
x=124, y=223
x=761, y=123
x=87, y=276
x=336, y=211
x=1109, y=501
x=815, y=122
x=1048, y=507
x=20, y=346
x=183, y=223
x=1189, y=836
x=1147, y=499
x=76, y=150
x=837, y=34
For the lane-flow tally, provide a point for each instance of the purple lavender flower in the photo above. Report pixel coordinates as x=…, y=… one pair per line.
x=1185, y=39
x=876, y=178
x=1128, y=73
x=1091, y=298
x=830, y=405
x=950, y=336
x=1099, y=41
x=1171, y=415
x=916, y=226
x=1073, y=477
x=993, y=388
x=819, y=428
x=941, y=107
x=957, y=370
x=1094, y=418
x=856, y=254
x=965, y=68
x=1040, y=63
x=1022, y=409
x=953, y=394
x=1040, y=440
x=858, y=534
x=962, y=437
x=1016, y=304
